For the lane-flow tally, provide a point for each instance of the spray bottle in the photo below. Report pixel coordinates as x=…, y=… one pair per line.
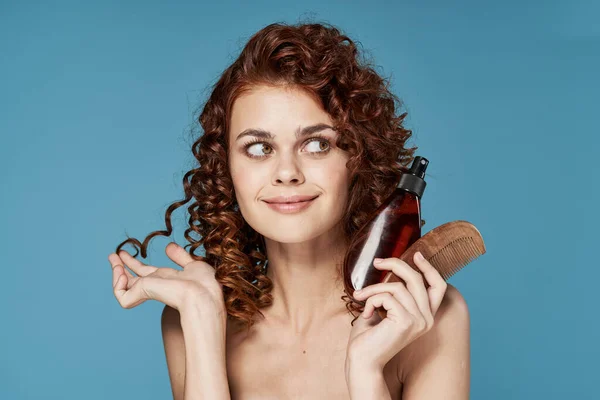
x=393, y=227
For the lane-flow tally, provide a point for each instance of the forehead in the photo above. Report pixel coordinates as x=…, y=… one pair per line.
x=275, y=107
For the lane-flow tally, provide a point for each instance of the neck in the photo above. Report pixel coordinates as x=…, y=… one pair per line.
x=307, y=282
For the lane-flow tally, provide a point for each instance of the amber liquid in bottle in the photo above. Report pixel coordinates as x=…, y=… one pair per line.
x=394, y=226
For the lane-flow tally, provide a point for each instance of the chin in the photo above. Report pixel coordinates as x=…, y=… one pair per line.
x=296, y=232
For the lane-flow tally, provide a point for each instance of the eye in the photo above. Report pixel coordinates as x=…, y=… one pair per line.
x=323, y=146
x=319, y=148
x=255, y=144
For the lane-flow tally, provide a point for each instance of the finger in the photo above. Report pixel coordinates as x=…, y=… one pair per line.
x=386, y=300
x=167, y=291
x=437, y=284
x=120, y=270
x=178, y=254
x=397, y=289
x=116, y=274
x=414, y=283
x=116, y=260
x=136, y=265
x=128, y=298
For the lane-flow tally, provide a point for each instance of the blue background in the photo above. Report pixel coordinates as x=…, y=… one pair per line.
x=96, y=106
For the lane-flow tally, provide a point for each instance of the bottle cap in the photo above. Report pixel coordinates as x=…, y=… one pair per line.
x=413, y=181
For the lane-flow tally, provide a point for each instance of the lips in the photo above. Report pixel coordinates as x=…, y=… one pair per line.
x=289, y=199
x=291, y=208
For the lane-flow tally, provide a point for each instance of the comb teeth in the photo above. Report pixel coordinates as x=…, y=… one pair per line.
x=454, y=256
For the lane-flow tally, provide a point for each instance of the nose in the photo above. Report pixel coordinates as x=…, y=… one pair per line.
x=287, y=171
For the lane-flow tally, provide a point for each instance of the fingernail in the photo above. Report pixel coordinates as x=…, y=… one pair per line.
x=358, y=291
x=377, y=260
x=420, y=256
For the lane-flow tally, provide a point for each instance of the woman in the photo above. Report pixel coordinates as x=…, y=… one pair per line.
x=296, y=115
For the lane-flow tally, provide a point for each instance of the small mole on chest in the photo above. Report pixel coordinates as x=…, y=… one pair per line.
x=304, y=351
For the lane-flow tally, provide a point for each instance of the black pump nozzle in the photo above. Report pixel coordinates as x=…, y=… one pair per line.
x=413, y=180
x=419, y=166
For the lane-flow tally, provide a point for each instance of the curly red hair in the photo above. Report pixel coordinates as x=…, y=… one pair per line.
x=324, y=62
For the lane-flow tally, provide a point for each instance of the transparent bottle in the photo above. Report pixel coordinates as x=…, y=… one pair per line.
x=394, y=226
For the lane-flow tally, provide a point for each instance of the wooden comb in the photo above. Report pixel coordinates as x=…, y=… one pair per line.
x=448, y=247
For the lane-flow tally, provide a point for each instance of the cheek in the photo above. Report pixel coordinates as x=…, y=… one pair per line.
x=246, y=182
x=343, y=184
x=335, y=177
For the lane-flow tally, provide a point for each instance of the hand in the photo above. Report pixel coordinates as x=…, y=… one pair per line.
x=410, y=312
x=169, y=286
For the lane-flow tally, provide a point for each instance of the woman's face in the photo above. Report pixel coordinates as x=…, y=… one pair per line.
x=286, y=165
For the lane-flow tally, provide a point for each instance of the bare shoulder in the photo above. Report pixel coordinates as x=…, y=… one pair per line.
x=453, y=304
x=449, y=336
x=174, y=344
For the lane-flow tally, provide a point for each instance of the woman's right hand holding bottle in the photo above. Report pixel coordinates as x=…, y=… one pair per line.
x=195, y=285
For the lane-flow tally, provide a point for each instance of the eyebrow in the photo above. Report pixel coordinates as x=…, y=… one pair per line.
x=300, y=132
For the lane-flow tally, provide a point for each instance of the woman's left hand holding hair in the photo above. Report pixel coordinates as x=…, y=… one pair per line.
x=194, y=285
x=410, y=307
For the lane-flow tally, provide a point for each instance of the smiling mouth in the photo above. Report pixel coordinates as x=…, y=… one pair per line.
x=290, y=202
x=288, y=208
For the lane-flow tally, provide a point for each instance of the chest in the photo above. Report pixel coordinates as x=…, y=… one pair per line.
x=281, y=366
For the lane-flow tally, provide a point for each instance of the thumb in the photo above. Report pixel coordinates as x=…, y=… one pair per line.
x=178, y=254
x=362, y=324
